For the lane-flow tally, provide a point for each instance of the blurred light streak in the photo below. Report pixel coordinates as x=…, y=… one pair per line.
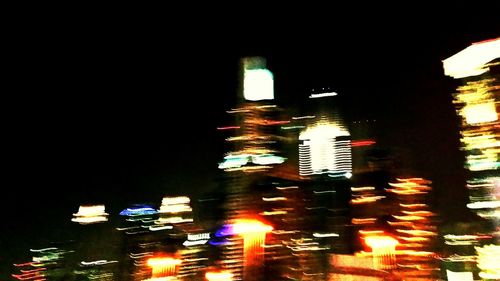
x=363, y=188
x=98, y=262
x=228, y=128
x=322, y=235
x=472, y=60
x=370, y=232
x=484, y=205
x=459, y=276
x=366, y=199
x=163, y=266
x=487, y=261
x=359, y=143
x=138, y=211
x=384, y=251
x=90, y=214
x=363, y=221
x=219, y=276
x=270, y=199
x=322, y=95
x=304, y=117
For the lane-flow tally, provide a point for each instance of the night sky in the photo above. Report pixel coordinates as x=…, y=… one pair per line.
x=117, y=112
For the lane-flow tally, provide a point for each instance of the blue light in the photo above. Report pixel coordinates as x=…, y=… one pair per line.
x=139, y=210
x=218, y=243
x=234, y=161
x=226, y=230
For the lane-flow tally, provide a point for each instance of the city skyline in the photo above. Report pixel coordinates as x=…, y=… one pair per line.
x=103, y=126
x=109, y=148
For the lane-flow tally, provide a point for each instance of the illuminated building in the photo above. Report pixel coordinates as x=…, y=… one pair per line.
x=254, y=151
x=94, y=253
x=194, y=254
x=415, y=227
x=258, y=81
x=150, y=232
x=90, y=215
x=325, y=149
x=459, y=258
x=477, y=104
x=253, y=233
x=324, y=143
x=175, y=211
x=140, y=239
x=255, y=148
x=254, y=238
x=323, y=156
x=399, y=214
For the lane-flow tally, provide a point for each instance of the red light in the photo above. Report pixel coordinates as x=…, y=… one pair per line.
x=359, y=143
x=228, y=128
x=272, y=122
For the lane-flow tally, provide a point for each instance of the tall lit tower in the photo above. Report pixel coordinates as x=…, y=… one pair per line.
x=325, y=144
x=325, y=159
x=254, y=152
x=477, y=102
x=253, y=233
x=255, y=146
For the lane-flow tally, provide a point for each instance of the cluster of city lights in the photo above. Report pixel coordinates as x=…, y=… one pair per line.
x=43, y=260
x=309, y=221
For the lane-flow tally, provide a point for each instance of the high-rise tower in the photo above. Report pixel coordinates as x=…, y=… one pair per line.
x=477, y=102
x=255, y=151
x=255, y=147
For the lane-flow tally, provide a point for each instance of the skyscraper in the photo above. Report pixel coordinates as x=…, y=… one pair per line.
x=254, y=152
x=477, y=103
x=325, y=145
x=325, y=149
x=324, y=157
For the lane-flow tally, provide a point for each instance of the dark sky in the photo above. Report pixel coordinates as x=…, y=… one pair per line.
x=123, y=110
